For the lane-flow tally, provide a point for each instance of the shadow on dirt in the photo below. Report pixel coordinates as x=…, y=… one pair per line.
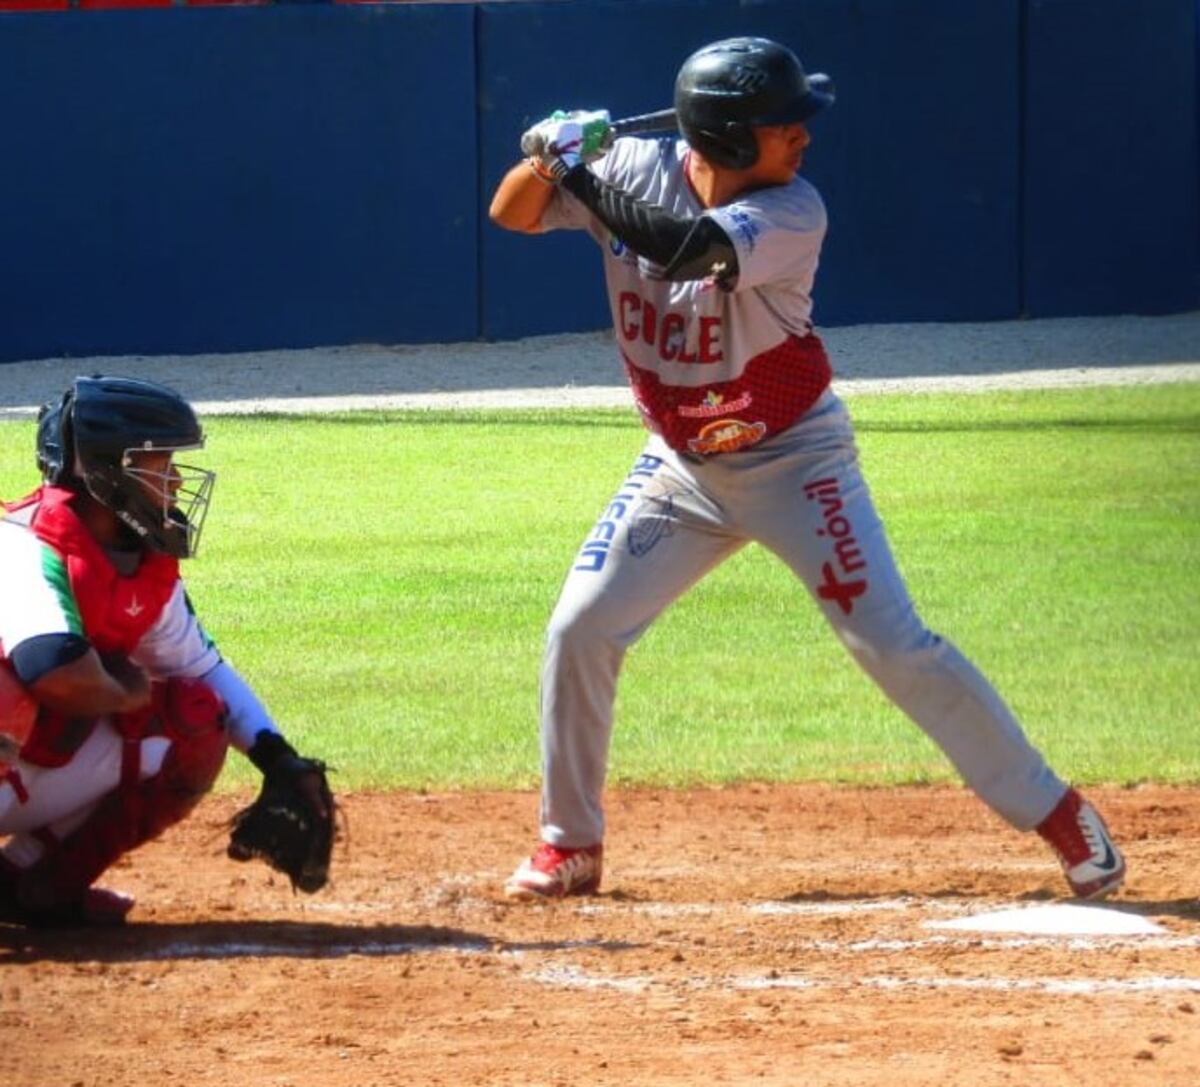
x=231, y=940
x=150, y=942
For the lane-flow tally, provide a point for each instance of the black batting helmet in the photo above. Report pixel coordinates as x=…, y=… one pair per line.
x=85, y=441
x=726, y=89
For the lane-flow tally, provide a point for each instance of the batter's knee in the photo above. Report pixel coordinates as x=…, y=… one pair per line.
x=899, y=637
x=571, y=631
x=900, y=656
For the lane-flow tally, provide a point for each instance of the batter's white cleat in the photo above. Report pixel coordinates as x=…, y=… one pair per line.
x=1090, y=860
x=555, y=872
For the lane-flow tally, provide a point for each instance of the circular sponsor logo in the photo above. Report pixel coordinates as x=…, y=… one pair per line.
x=726, y=435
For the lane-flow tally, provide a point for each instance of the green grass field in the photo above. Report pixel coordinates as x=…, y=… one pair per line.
x=383, y=580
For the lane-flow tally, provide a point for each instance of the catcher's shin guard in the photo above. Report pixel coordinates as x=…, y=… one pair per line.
x=192, y=717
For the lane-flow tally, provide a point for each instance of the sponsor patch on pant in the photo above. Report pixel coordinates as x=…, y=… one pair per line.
x=847, y=556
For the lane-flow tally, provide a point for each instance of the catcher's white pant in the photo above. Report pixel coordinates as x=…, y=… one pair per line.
x=61, y=798
x=801, y=494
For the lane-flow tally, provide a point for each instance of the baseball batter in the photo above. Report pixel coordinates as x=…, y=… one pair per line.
x=710, y=247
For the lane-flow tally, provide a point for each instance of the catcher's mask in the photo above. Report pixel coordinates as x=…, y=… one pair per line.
x=727, y=89
x=88, y=441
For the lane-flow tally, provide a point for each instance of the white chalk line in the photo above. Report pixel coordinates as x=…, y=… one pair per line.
x=1066, y=986
x=776, y=909
x=1001, y=943
x=467, y=903
x=437, y=898
x=573, y=977
x=377, y=948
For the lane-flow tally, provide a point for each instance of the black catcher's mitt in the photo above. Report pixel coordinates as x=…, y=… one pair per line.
x=290, y=825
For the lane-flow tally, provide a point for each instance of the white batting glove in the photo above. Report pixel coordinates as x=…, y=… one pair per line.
x=563, y=140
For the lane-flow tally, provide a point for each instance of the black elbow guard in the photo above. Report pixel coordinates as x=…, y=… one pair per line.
x=705, y=252
x=685, y=248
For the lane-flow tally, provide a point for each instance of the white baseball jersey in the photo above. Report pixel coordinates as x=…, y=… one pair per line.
x=712, y=370
x=36, y=599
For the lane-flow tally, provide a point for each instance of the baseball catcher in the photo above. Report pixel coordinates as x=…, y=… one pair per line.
x=116, y=708
x=711, y=241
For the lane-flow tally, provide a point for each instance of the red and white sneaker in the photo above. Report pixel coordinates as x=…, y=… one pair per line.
x=555, y=871
x=1090, y=860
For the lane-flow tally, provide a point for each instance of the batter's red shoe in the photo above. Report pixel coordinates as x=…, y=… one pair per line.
x=1090, y=859
x=555, y=872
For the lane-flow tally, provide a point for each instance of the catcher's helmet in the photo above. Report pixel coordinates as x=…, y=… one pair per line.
x=85, y=442
x=726, y=89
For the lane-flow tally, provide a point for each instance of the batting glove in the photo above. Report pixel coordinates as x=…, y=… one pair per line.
x=563, y=140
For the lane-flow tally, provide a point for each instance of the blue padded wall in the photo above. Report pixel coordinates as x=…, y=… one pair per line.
x=534, y=58
x=223, y=179
x=220, y=179
x=1111, y=183
x=918, y=161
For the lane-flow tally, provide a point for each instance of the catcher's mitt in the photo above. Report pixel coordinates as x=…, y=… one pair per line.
x=290, y=825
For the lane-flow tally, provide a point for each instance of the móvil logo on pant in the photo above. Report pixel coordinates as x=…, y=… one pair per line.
x=841, y=593
x=845, y=547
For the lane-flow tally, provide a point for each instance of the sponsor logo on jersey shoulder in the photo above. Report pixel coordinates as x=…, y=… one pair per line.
x=715, y=404
x=726, y=435
x=746, y=227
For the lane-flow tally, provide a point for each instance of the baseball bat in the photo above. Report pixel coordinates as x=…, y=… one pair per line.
x=660, y=121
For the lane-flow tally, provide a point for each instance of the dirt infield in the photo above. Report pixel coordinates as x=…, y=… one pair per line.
x=765, y=935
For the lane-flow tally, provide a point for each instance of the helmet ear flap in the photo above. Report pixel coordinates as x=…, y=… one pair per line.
x=731, y=145
x=743, y=147
x=55, y=449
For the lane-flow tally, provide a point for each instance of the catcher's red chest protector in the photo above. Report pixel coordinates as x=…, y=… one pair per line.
x=115, y=611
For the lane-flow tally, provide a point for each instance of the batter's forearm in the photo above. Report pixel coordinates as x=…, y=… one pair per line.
x=686, y=248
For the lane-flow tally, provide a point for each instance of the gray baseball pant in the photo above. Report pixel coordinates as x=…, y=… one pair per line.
x=800, y=494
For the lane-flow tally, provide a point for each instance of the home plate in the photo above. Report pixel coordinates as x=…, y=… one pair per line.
x=1055, y=920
